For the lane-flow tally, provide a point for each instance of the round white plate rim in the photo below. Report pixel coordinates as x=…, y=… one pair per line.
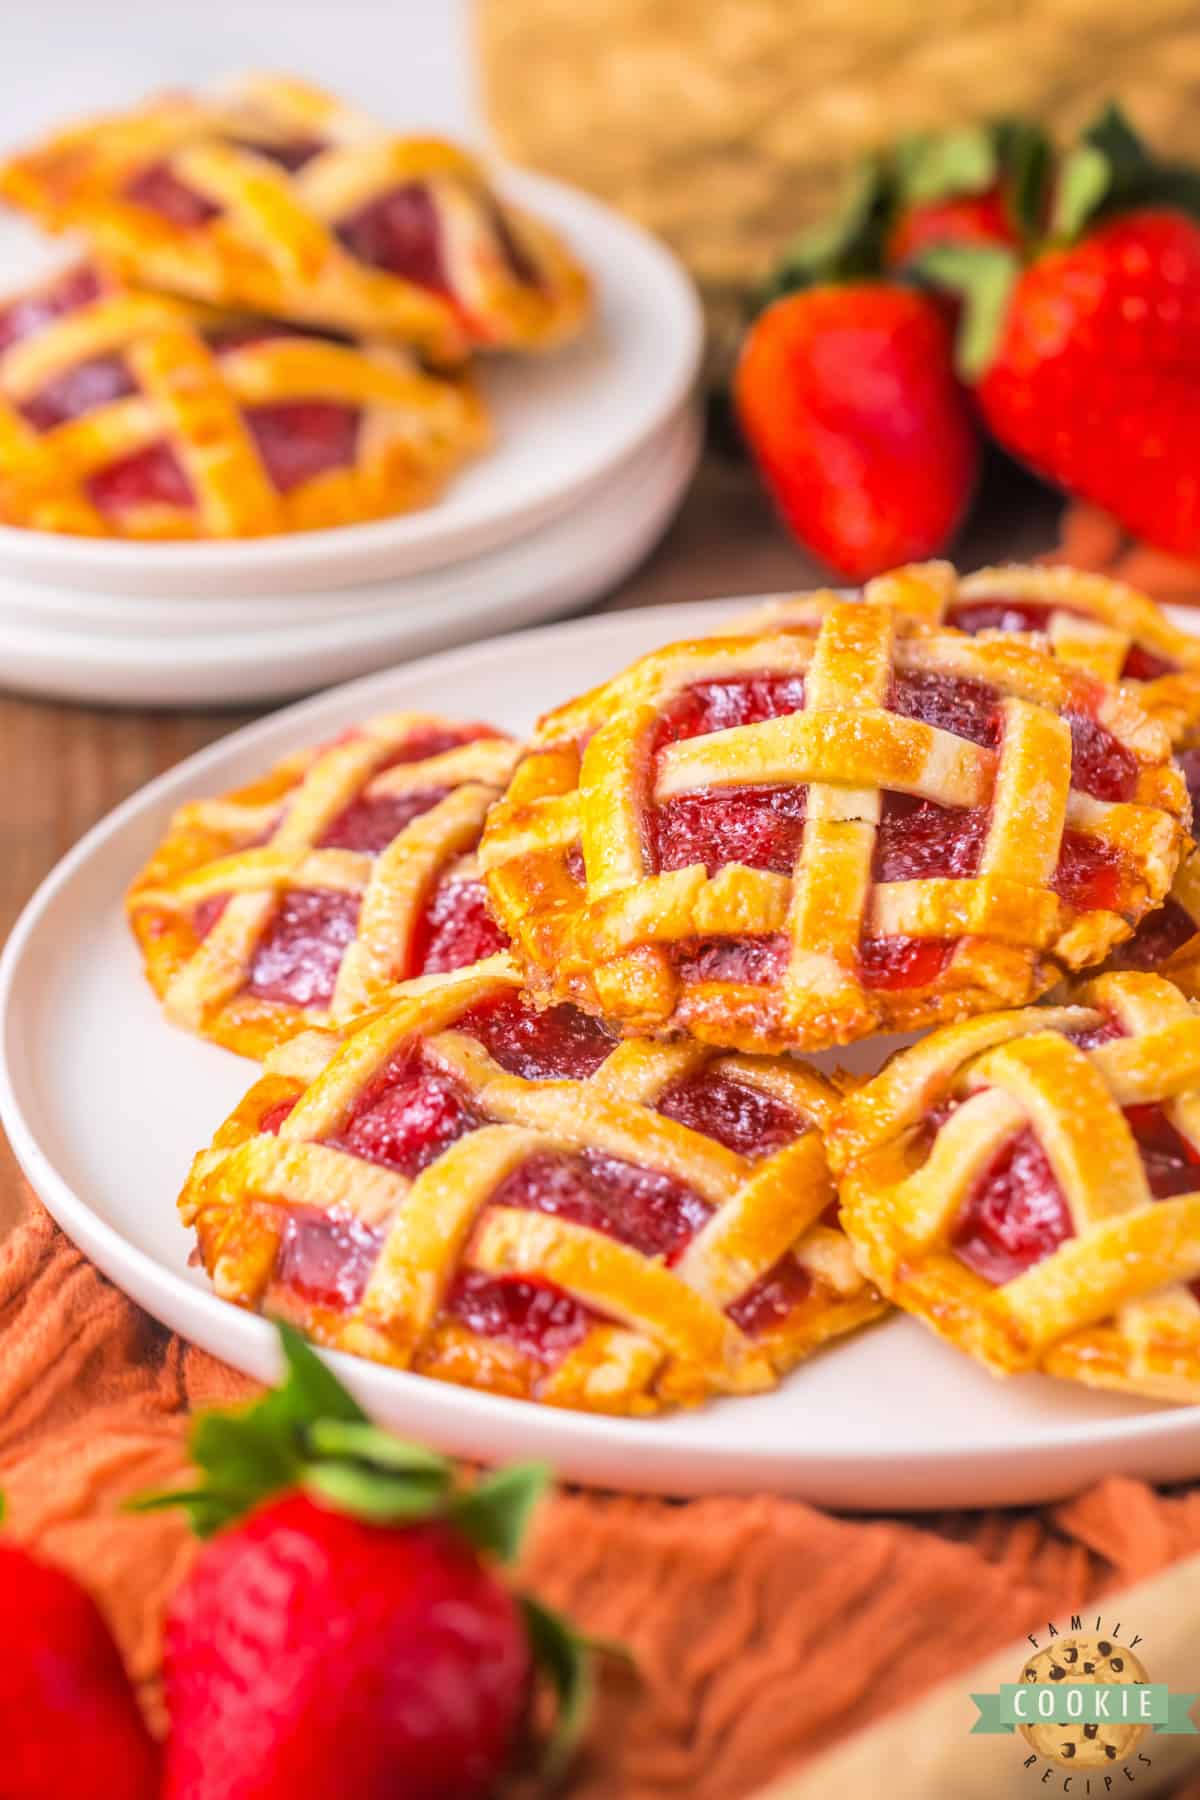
x=467, y=1416
x=38, y=606
x=513, y=586
x=456, y=527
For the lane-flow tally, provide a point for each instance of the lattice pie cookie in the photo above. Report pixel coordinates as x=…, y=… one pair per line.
x=127, y=414
x=301, y=899
x=272, y=196
x=511, y=1199
x=1105, y=627
x=860, y=823
x=1028, y=1184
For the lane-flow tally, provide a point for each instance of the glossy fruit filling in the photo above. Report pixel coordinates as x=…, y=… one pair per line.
x=763, y=827
x=150, y=477
x=1003, y=614
x=455, y=929
x=1163, y=932
x=291, y=154
x=1017, y=1213
x=400, y=232
x=30, y=313
x=370, y=823
x=414, y=1110
x=161, y=191
x=741, y=1117
x=301, y=439
x=553, y=1043
x=297, y=958
x=78, y=390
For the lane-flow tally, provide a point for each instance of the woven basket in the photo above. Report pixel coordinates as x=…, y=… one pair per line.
x=725, y=125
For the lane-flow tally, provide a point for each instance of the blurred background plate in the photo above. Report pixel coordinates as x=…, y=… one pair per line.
x=565, y=423
x=232, y=652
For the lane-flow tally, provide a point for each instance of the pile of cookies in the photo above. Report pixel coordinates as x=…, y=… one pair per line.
x=535, y=1114
x=272, y=331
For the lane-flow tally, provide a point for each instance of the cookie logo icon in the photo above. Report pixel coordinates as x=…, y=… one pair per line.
x=1085, y=1742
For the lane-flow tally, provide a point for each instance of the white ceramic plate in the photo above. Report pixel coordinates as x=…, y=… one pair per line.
x=565, y=423
x=215, y=653
x=105, y=1104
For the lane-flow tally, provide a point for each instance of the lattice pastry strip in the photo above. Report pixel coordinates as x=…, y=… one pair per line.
x=271, y=196
x=792, y=839
x=474, y=1189
x=135, y=415
x=1104, y=627
x=1028, y=1184
x=302, y=899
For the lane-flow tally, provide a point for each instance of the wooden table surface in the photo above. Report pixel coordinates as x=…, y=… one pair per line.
x=65, y=766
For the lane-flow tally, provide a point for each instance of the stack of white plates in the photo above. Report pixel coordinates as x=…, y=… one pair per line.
x=594, y=448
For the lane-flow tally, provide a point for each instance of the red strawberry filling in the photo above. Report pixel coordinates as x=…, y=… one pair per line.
x=301, y=439
x=290, y=156
x=1017, y=1213
x=1034, y=615
x=370, y=823
x=162, y=192
x=150, y=477
x=297, y=959
x=1167, y=930
x=455, y=929
x=556, y=1043
x=414, y=1110
x=79, y=390
x=399, y=232
x=741, y=1117
x=763, y=827
x=537, y=1319
x=31, y=313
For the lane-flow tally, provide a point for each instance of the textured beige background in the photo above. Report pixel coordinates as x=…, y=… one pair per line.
x=726, y=124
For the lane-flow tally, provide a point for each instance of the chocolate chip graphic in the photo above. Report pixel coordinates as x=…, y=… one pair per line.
x=1031, y=1674
x=1117, y=1664
x=1111, y=1752
x=1090, y=1731
x=1057, y=1672
x=1089, y=1668
x=1071, y=1655
x=1066, y=1751
x=1104, y=1648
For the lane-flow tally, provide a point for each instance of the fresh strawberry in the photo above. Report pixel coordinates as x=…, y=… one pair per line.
x=69, y=1720
x=348, y=1631
x=957, y=219
x=848, y=399
x=1094, y=381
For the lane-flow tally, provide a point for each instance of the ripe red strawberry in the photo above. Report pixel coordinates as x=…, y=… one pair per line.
x=311, y=1653
x=347, y=1631
x=69, y=1721
x=848, y=398
x=1095, y=377
x=957, y=219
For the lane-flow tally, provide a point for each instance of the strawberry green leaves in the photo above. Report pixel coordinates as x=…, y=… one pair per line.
x=310, y=1435
x=848, y=245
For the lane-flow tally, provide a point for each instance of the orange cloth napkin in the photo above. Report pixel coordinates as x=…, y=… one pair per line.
x=763, y=1629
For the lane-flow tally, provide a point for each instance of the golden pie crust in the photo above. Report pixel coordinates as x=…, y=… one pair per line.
x=191, y=383
x=237, y=197
x=259, y=845
x=570, y=871
x=1089, y=621
x=1112, y=1305
x=658, y=1333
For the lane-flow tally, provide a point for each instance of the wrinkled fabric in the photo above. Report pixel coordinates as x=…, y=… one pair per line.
x=762, y=1629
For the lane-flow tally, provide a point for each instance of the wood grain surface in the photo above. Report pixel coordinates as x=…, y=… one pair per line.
x=63, y=767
